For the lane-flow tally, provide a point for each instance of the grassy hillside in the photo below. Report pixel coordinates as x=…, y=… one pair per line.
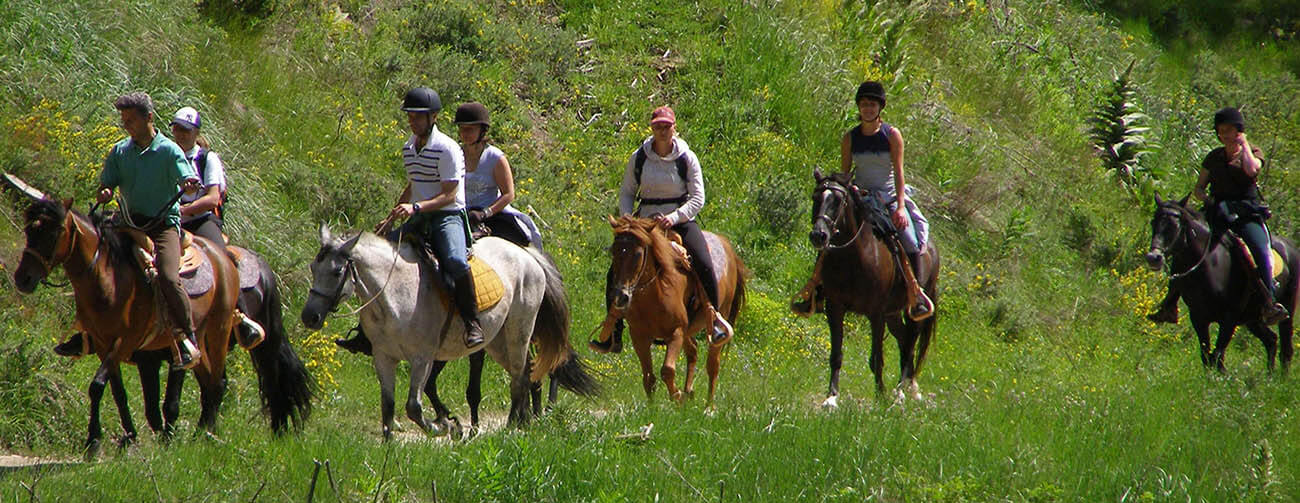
x=1044, y=383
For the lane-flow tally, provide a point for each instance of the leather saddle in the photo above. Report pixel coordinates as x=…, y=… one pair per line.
x=195, y=270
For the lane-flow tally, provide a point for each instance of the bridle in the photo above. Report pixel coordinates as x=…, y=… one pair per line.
x=1185, y=233
x=831, y=223
x=637, y=285
x=49, y=264
x=350, y=272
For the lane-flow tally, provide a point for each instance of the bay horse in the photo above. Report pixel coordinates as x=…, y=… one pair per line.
x=119, y=312
x=658, y=295
x=1217, y=287
x=405, y=319
x=860, y=274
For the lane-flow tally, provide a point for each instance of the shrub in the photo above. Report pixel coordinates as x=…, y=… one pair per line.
x=1118, y=132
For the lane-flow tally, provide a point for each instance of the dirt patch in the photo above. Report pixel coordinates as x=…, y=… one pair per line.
x=11, y=461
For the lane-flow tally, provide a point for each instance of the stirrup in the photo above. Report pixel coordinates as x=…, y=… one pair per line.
x=722, y=331
x=923, y=309
x=605, y=342
x=1274, y=314
x=187, y=356
x=249, y=332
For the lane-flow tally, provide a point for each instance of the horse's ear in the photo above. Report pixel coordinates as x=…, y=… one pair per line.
x=1183, y=202
x=610, y=219
x=325, y=236
x=817, y=174
x=27, y=190
x=1158, y=200
x=67, y=203
x=348, y=245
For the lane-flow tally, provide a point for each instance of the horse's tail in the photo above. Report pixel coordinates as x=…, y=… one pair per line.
x=285, y=386
x=738, y=299
x=555, y=356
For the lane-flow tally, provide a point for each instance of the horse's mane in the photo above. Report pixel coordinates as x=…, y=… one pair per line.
x=646, y=231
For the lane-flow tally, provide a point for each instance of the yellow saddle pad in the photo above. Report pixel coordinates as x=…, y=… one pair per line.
x=1277, y=263
x=487, y=285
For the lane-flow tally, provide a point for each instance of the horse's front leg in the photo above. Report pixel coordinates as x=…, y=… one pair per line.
x=668, y=372
x=641, y=344
x=1221, y=344
x=1202, y=329
x=877, y=358
x=385, y=370
x=171, y=407
x=94, y=430
x=123, y=408
x=691, y=347
x=835, y=322
x=420, y=370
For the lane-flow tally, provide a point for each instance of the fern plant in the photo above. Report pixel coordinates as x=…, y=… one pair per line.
x=1118, y=132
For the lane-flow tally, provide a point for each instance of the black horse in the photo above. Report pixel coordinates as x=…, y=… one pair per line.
x=1216, y=284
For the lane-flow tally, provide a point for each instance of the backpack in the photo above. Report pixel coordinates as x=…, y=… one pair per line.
x=639, y=164
x=201, y=163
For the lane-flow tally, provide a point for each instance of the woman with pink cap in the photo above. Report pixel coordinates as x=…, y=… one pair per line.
x=663, y=181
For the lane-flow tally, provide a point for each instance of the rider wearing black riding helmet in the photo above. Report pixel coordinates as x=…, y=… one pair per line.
x=1234, y=203
x=489, y=181
x=873, y=152
x=434, y=205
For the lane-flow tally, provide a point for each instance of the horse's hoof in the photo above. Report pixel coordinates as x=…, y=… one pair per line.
x=831, y=402
x=91, y=450
x=126, y=441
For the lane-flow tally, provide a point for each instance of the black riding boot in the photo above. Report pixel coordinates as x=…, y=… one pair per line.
x=1168, y=312
x=76, y=346
x=923, y=303
x=1273, y=312
x=467, y=304
x=358, y=344
x=613, y=344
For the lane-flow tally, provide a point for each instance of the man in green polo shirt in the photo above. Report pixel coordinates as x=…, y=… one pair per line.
x=149, y=169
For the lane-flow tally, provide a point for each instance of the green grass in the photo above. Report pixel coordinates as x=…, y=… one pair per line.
x=1044, y=383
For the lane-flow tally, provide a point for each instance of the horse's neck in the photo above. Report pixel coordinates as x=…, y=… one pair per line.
x=380, y=266
x=90, y=275
x=1196, y=241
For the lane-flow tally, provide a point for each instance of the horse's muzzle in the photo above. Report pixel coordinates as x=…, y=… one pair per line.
x=819, y=238
x=24, y=280
x=622, y=297
x=1155, y=259
x=313, y=318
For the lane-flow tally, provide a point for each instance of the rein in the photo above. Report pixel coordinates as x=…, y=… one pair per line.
x=351, y=270
x=1192, y=232
x=832, y=223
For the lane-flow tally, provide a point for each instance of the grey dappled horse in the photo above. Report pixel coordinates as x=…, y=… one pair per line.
x=406, y=319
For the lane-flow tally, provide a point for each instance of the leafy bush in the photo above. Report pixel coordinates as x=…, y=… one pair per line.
x=1118, y=131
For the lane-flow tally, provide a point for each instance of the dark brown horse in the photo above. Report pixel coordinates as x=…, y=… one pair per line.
x=663, y=302
x=119, y=312
x=1217, y=288
x=860, y=274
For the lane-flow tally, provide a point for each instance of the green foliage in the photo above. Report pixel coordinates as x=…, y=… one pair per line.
x=1118, y=132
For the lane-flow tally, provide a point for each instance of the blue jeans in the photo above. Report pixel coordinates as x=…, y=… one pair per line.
x=444, y=232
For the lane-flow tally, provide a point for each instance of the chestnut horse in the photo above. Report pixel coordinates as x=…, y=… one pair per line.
x=860, y=274
x=120, y=312
x=662, y=301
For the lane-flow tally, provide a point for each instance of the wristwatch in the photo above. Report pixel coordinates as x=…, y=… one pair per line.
x=415, y=208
